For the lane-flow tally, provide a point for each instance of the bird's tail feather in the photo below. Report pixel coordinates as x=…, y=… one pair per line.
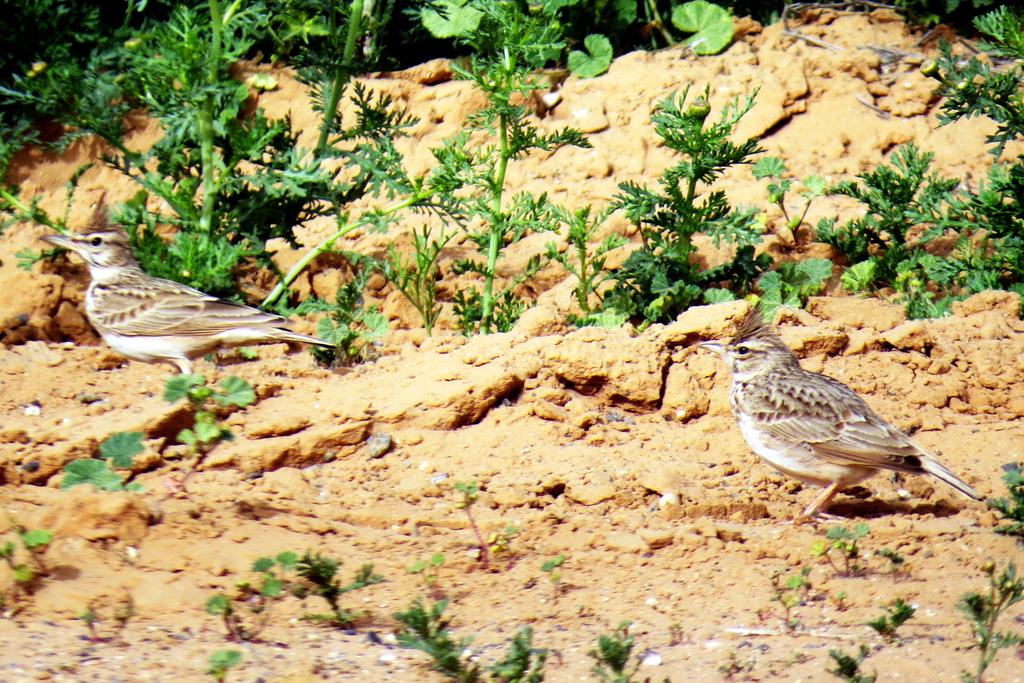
x=288, y=335
x=939, y=471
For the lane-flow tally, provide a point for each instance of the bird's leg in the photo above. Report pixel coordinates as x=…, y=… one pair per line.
x=817, y=508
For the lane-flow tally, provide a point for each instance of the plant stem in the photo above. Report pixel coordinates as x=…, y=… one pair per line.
x=204, y=119
x=328, y=244
x=497, y=226
x=659, y=24
x=332, y=95
x=26, y=212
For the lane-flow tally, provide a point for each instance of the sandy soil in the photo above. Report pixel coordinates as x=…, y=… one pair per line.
x=612, y=448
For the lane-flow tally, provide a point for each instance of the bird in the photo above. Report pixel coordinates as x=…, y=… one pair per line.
x=810, y=426
x=154, y=320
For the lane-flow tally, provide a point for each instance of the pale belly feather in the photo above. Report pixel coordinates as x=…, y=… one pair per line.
x=799, y=461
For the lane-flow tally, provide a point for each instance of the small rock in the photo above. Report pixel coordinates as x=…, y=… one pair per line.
x=378, y=445
x=852, y=313
x=910, y=336
x=651, y=658
x=626, y=542
x=1007, y=303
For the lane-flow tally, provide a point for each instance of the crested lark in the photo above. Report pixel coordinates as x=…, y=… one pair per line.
x=160, y=321
x=810, y=426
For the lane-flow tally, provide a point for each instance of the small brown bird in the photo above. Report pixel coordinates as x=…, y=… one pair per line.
x=810, y=426
x=160, y=321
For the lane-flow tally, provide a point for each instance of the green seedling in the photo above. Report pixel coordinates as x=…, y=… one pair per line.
x=734, y=666
x=848, y=667
x=774, y=169
x=430, y=570
x=417, y=281
x=246, y=611
x=221, y=662
x=427, y=629
x=120, y=615
x=896, y=560
x=553, y=568
x=1012, y=508
x=791, y=283
x=23, y=557
x=350, y=325
x=208, y=405
x=612, y=656
x=523, y=663
x=846, y=544
x=499, y=543
x=321, y=574
x=896, y=614
x=470, y=493
x=117, y=451
x=791, y=591
x=1005, y=589
x=585, y=263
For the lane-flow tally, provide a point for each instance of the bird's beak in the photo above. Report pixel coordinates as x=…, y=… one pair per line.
x=60, y=241
x=713, y=346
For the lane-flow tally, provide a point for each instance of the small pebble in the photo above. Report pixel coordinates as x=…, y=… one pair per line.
x=651, y=658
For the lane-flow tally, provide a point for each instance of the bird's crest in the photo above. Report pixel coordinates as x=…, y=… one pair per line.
x=754, y=327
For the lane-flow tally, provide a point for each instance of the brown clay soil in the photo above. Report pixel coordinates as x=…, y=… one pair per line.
x=613, y=448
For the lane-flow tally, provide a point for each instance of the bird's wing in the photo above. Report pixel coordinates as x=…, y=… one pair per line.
x=836, y=424
x=166, y=307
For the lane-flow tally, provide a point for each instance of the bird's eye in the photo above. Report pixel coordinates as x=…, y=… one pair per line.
x=96, y=241
x=742, y=350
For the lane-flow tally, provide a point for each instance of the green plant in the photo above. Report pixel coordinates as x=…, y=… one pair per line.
x=845, y=543
x=612, y=654
x=586, y=264
x=470, y=493
x=774, y=169
x=848, y=667
x=321, y=572
x=417, y=281
x=508, y=43
x=246, y=612
x=734, y=667
x=896, y=560
x=660, y=279
x=791, y=283
x=23, y=557
x=1012, y=508
x=523, y=663
x=896, y=614
x=427, y=630
x=221, y=662
x=711, y=26
x=120, y=614
x=595, y=60
x=1005, y=589
x=898, y=198
x=790, y=592
x=207, y=429
x=117, y=451
x=430, y=570
x=553, y=569
x=499, y=543
x=351, y=326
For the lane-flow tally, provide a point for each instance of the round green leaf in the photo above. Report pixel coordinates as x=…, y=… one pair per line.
x=91, y=471
x=36, y=538
x=711, y=25
x=595, y=61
